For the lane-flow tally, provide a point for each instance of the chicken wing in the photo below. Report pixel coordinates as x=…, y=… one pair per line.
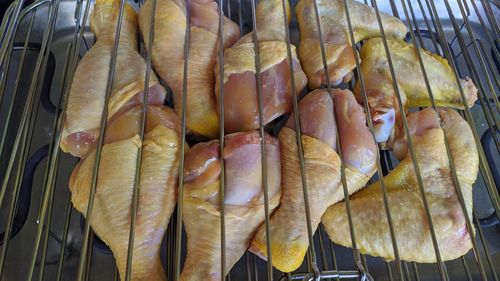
x=408, y=214
x=168, y=55
x=243, y=200
x=336, y=39
x=241, y=111
x=320, y=113
x=411, y=83
x=88, y=90
x=111, y=213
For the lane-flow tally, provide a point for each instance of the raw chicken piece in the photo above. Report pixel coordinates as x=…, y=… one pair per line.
x=241, y=111
x=168, y=55
x=244, y=200
x=408, y=214
x=111, y=213
x=319, y=115
x=335, y=33
x=411, y=84
x=88, y=90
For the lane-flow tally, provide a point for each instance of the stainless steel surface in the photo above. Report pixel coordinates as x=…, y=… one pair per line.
x=49, y=245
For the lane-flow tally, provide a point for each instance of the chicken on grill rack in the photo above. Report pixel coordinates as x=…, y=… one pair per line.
x=320, y=115
x=244, y=200
x=405, y=202
x=240, y=87
x=168, y=55
x=411, y=84
x=332, y=124
x=111, y=214
x=87, y=95
x=335, y=35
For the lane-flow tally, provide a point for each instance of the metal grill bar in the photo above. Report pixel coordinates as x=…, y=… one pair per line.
x=54, y=154
x=25, y=130
x=180, y=192
x=222, y=187
x=263, y=136
x=64, y=240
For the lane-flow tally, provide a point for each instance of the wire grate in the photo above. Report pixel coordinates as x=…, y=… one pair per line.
x=464, y=32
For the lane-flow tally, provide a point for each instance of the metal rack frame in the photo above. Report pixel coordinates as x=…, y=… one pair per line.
x=11, y=182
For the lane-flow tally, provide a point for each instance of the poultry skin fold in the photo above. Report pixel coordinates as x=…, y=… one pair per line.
x=244, y=200
x=409, y=217
x=411, y=84
x=320, y=114
x=88, y=89
x=111, y=213
x=168, y=55
x=241, y=110
x=336, y=39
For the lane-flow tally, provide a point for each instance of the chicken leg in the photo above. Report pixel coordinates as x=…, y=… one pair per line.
x=240, y=87
x=111, y=213
x=168, y=55
x=335, y=35
x=244, y=200
x=288, y=225
x=88, y=89
x=411, y=84
x=405, y=203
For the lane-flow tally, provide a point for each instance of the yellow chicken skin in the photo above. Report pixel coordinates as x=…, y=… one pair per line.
x=88, y=89
x=409, y=217
x=241, y=110
x=320, y=114
x=382, y=99
x=336, y=39
x=168, y=55
x=244, y=200
x=111, y=214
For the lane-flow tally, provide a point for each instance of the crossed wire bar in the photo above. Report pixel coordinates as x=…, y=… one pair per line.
x=20, y=150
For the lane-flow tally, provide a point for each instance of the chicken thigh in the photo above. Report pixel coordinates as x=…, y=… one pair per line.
x=241, y=110
x=88, y=89
x=319, y=113
x=336, y=39
x=168, y=55
x=244, y=200
x=111, y=213
x=409, y=217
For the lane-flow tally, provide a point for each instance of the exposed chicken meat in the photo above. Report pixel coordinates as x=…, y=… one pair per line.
x=241, y=111
x=244, y=200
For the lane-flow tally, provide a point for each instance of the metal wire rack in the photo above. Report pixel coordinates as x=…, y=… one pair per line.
x=59, y=245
